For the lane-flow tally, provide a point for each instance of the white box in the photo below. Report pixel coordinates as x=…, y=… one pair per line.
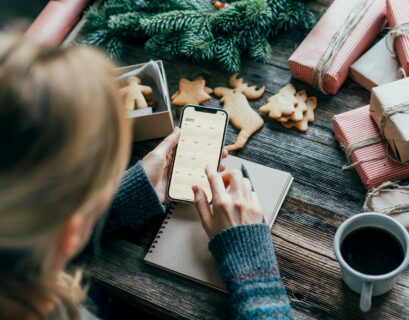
x=159, y=123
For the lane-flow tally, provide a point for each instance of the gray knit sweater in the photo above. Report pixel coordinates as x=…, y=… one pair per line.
x=245, y=254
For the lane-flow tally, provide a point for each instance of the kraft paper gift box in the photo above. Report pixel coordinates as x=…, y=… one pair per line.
x=372, y=164
x=314, y=50
x=150, y=123
x=384, y=99
x=376, y=67
x=56, y=20
x=391, y=199
x=397, y=13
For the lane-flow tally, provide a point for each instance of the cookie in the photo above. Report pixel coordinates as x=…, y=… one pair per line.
x=308, y=117
x=281, y=104
x=241, y=115
x=300, y=108
x=191, y=92
x=137, y=96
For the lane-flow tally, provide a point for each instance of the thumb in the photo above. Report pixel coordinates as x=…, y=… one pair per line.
x=202, y=206
x=168, y=144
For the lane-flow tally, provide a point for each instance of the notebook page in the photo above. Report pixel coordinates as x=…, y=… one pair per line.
x=182, y=243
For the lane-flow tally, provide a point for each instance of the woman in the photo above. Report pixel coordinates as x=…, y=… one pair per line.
x=64, y=145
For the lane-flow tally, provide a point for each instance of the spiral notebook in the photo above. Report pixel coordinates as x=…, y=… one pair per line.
x=181, y=244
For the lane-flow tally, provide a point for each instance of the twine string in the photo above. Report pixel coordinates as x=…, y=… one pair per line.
x=387, y=186
x=338, y=39
x=402, y=73
x=389, y=112
x=386, y=114
x=401, y=30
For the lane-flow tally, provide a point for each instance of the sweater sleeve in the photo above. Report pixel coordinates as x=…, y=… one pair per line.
x=135, y=200
x=247, y=262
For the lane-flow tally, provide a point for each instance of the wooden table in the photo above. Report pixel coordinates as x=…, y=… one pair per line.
x=321, y=197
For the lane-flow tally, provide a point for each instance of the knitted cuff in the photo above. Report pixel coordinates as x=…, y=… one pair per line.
x=136, y=199
x=243, y=249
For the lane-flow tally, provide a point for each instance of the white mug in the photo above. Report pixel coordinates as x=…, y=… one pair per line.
x=364, y=284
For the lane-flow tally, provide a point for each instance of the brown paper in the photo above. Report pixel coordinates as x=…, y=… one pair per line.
x=376, y=67
x=396, y=130
x=388, y=200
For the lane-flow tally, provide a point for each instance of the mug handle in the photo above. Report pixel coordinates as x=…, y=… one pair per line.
x=366, y=296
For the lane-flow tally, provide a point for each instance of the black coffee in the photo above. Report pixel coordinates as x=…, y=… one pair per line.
x=372, y=251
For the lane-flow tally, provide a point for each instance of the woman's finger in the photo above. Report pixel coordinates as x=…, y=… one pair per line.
x=234, y=179
x=215, y=182
x=247, y=189
x=225, y=153
x=222, y=167
x=202, y=206
x=256, y=201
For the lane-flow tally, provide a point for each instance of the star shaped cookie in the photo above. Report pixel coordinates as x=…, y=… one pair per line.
x=191, y=92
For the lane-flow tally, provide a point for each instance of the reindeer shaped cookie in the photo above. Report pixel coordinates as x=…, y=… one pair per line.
x=242, y=116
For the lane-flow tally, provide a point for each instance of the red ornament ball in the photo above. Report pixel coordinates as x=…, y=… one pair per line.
x=218, y=4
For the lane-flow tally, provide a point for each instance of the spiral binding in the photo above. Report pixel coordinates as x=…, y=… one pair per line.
x=170, y=206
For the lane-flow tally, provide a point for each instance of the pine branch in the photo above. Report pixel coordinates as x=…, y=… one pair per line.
x=130, y=21
x=195, y=29
x=201, y=5
x=97, y=38
x=96, y=19
x=114, y=47
x=158, y=6
x=228, y=55
x=113, y=7
x=261, y=50
x=165, y=43
x=198, y=46
x=294, y=15
x=172, y=21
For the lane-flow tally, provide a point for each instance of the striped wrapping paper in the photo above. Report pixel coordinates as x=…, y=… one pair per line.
x=357, y=125
x=56, y=20
x=397, y=12
x=308, y=54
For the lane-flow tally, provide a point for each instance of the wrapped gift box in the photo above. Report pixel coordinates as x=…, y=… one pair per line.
x=392, y=199
x=147, y=123
x=396, y=128
x=56, y=20
x=303, y=61
x=398, y=13
x=355, y=126
x=376, y=67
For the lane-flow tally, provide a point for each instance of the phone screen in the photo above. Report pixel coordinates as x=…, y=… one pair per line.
x=200, y=144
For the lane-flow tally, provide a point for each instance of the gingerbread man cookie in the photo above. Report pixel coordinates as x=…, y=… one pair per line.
x=308, y=117
x=281, y=104
x=191, y=92
x=137, y=96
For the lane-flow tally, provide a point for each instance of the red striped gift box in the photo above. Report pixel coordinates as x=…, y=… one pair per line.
x=357, y=125
x=397, y=13
x=303, y=61
x=56, y=20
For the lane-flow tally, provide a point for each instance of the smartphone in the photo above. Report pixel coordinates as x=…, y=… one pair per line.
x=201, y=142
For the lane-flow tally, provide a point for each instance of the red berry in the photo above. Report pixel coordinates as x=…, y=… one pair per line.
x=218, y=5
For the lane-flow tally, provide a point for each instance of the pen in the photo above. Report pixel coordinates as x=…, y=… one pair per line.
x=246, y=175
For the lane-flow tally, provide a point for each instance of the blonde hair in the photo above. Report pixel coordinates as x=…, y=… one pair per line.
x=63, y=138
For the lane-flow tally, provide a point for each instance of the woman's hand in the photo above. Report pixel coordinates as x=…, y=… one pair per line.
x=233, y=202
x=158, y=162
